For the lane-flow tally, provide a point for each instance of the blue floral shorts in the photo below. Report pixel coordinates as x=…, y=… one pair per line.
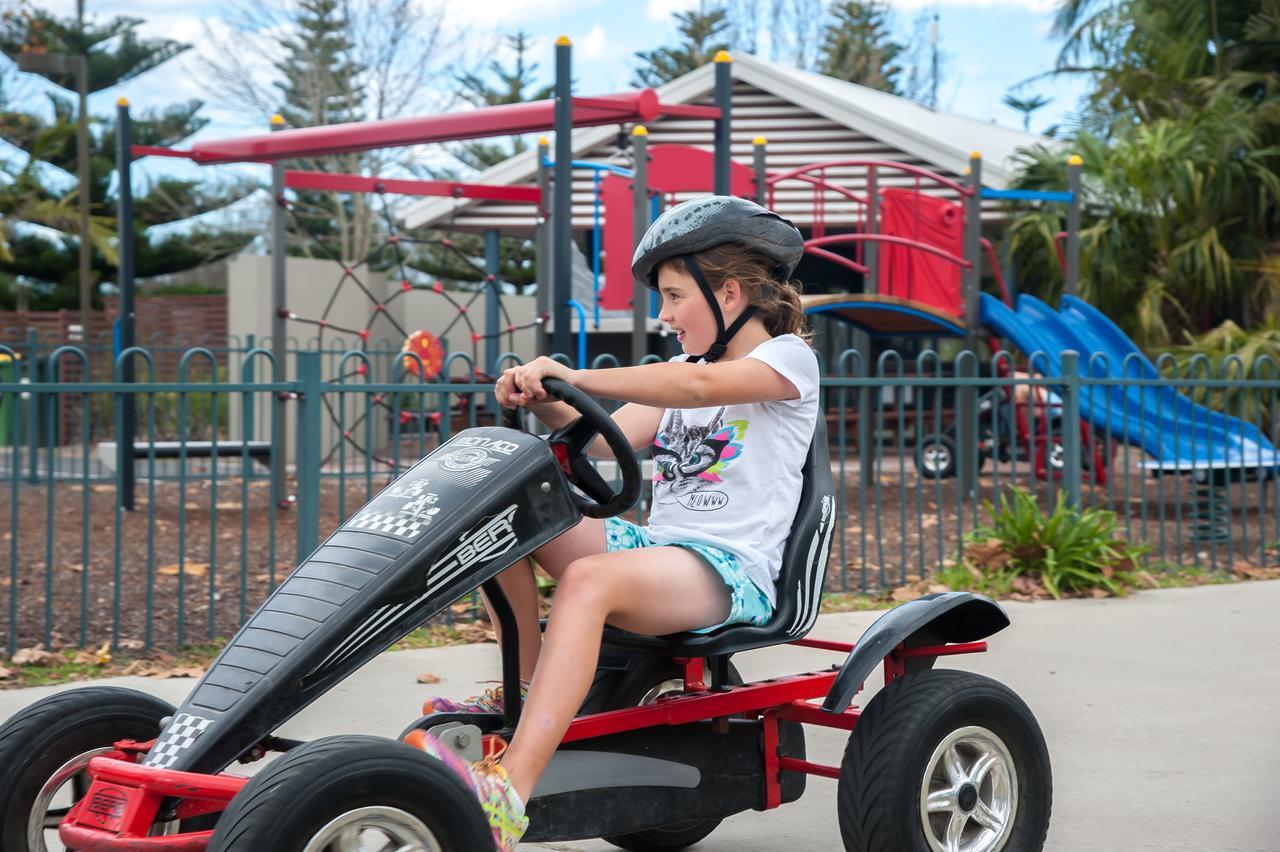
x=749, y=605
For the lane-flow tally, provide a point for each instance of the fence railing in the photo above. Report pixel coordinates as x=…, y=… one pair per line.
x=213, y=532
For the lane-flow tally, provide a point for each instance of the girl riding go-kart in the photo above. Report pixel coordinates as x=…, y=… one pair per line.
x=728, y=422
x=637, y=727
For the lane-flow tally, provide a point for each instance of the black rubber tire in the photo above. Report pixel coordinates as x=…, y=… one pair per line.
x=629, y=692
x=878, y=796
x=43, y=737
x=293, y=798
x=947, y=470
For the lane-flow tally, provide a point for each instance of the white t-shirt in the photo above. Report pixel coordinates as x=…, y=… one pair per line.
x=730, y=476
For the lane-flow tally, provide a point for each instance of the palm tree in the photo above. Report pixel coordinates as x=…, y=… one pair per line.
x=1026, y=106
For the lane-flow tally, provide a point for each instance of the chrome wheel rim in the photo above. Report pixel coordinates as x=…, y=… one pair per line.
x=969, y=793
x=44, y=816
x=69, y=783
x=1057, y=457
x=936, y=457
x=667, y=688
x=375, y=829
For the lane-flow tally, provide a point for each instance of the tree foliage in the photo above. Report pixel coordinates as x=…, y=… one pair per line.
x=1181, y=144
x=858, y=46
x=703, y=32
x=39, y=194
x=498, y=83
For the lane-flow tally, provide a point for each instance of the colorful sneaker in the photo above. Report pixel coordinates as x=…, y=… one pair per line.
x=499, y=800
x=489, y=701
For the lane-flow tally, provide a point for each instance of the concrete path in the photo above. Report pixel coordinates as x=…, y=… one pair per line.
x=1162, y=714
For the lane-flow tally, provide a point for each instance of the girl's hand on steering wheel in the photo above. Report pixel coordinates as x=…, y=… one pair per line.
x=522, y=386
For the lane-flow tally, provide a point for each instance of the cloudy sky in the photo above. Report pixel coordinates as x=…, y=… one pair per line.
x=989, y=46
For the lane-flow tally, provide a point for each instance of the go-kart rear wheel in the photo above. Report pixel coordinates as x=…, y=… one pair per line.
x=654, y=679
x=350, y=793
x=45, y=750
x=945, y=761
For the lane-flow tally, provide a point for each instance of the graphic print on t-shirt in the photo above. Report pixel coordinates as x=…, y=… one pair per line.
x=689, y=460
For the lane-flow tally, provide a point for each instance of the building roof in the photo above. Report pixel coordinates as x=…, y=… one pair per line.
x=898, y=129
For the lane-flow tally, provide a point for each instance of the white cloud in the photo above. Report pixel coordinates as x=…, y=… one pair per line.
x=595, y=43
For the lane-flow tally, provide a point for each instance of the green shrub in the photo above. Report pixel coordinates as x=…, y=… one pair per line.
x=1074, y=550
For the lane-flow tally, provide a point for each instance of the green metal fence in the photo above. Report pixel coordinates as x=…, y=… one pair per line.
x=213, y=531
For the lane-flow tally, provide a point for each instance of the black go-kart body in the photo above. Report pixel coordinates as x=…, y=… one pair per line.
x=669, y=741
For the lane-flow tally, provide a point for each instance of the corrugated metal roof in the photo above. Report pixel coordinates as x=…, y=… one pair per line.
x=806, y=118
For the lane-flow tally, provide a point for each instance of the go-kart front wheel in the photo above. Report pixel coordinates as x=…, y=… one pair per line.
x=45, y=752
x=945, y=761
x=351, y=793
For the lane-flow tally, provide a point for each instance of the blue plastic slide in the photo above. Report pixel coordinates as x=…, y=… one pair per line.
x=1179, y=434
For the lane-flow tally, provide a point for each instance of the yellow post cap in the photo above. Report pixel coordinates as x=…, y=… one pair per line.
x=639, y=130
x=277, y=119
x=976, y=155
x=563, y=41
x=124, y=102
x=544, y=141
x=723, y=56
x=759, y=140
x=1075, y=160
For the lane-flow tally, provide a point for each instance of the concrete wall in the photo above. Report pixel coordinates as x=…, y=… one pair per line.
x=310, y=285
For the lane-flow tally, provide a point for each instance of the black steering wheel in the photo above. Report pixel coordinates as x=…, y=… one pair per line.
x=570, y=444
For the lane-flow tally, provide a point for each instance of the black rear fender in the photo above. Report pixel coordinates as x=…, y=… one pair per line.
x=930, y=620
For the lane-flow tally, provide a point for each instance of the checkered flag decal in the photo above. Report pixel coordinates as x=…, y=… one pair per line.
x=182, y=732
x=386, y=522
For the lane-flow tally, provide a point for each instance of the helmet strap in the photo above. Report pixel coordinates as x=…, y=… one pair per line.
x=723, y=335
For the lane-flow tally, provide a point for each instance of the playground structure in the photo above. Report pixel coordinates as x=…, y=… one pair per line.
x=915, y=253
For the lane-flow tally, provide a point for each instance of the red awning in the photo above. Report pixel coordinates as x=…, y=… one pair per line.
x=505, y=120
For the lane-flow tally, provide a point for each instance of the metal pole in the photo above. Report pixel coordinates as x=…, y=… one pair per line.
x=966, y=403
x=542, y=244
x=639, y=224
x=82, y=164
x=724, y=124
x=872, y=256
x=310, y=404
x=1074, y=182
x=562, y=202
x=759, y=152
x=279, y=349
x=492, y=341
x=1071, y=473
x=128, y=426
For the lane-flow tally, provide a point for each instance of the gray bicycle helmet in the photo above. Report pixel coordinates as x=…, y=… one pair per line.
x=704, y=223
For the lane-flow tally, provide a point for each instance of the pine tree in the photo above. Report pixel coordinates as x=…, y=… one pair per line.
x=704, y=33
x=38, y=200
x=512, y=84
x=320, y=85
x=321, y=82
x=858, y=46
x=503, y=84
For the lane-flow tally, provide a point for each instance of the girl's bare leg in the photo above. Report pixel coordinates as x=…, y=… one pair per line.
x=655, y=591
x=521, y=589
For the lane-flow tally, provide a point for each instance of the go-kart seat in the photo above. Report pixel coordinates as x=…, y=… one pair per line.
x=799, y=586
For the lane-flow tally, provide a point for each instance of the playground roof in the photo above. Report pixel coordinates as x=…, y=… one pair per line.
x=905, y=130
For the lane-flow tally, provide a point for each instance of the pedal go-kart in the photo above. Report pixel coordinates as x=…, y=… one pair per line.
x=669, y=742
x=1021, y=430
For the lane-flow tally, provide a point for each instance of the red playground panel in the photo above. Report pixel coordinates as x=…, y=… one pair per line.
x=905, y=271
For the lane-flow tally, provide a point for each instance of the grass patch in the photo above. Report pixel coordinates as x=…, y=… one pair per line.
x=856, y=602
x=1025, y=553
